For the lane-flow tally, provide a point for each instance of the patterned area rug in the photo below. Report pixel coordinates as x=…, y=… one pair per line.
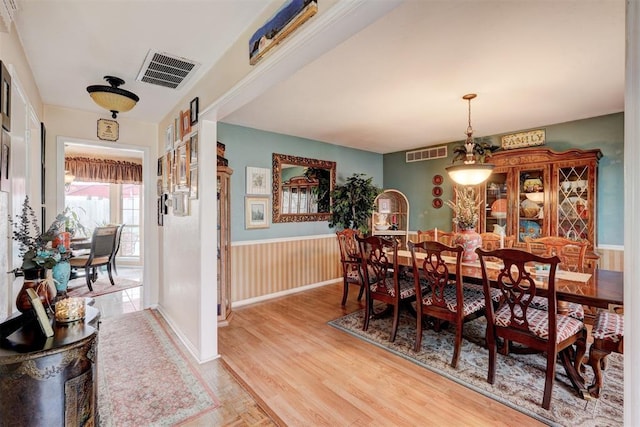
x=78, y=287
x=143, y=378
x=519, y=378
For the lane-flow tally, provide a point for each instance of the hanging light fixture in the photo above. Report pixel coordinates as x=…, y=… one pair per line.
x=68, y=180
x=112, y=97
x=471, y=172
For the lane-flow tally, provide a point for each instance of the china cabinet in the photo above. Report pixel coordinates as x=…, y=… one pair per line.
x=540, y=192
x=224, y=243
x=391, y=216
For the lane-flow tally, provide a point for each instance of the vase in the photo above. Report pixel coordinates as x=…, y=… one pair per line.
x=34, y=279
x=469, y=240
x=61, y=273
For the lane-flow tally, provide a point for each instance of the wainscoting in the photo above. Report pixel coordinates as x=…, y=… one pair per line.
x=260, y=268
x=611, y=258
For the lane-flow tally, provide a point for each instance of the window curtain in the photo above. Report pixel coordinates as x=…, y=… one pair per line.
x=103, y=170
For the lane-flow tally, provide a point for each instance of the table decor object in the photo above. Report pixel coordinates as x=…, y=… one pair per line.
x=70, y=310
x=465, y=209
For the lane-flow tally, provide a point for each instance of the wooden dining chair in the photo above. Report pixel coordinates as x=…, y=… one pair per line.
x=350, y=260
x=516, y=320
x=430, y=236
x=379, y=257
x=116, y=247
x=572, y=253
x=102, y=244
x=439, y=296
x=491, y=241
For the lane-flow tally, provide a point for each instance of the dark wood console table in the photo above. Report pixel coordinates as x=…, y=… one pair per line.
x=49, y=381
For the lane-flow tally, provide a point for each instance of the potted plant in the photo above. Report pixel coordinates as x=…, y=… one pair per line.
x=38, y=253
x=465, y=210
x=353, y=203
x=72, y=222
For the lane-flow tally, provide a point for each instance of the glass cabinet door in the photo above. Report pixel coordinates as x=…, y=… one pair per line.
x=496, y=204
x=573, y=202
x=531, y=209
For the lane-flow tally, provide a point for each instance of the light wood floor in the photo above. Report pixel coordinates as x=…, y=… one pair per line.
x=309, y=373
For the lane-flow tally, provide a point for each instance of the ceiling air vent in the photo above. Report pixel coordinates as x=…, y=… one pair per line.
x=8, y=9
x=164, y=69
x=427, y=154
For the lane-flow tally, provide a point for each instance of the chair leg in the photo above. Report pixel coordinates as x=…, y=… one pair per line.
x=361, y=292
x=552, y=356
x=87, y=276
x=113, y=265
x=456, y=346
x=368, y=311
x=493, y=349
x=418, y=343
x=109, y=273
x=596, y=360
x=396, y=320
x=345, y=292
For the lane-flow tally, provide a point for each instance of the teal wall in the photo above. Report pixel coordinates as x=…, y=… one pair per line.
x=605, y=133
x=252, y=147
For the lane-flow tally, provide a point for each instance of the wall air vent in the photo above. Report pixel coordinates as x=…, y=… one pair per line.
x=8, y=9
x=164, y=69
x=427, y=154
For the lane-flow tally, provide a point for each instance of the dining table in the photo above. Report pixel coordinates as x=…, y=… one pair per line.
x=601, y=289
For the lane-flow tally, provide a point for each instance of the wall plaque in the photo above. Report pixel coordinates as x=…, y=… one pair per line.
x=108, y=130
x=523, y=139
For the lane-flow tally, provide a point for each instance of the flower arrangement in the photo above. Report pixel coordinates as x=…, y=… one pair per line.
x=34, y=245
x=465, y=208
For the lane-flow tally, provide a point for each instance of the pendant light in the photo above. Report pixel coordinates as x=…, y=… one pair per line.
x=112, y=97
x=471, y=172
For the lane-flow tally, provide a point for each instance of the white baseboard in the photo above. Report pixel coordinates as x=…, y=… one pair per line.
x=267, y=297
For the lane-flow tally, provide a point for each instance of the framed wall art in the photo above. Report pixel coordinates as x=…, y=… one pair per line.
x=185, y=122
x=194, y=107
x=384, y=205
x=168, y=138
x=258, y=180
x=182, y=166
x=193, y=150
x=256, y=212
x=177, y=125
x=193, y=183
x=180, y=203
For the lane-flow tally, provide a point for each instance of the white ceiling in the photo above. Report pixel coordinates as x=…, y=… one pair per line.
x=396, y=85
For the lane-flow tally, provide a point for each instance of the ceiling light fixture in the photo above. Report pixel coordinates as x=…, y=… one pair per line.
x=112, y=97
x=471, y=172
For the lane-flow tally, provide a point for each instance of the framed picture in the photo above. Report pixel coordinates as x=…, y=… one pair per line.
x=168, y=138
x=5, y=158
x=194, y=108
x=193, y=150
x=384, y=205
x=177, y=126
x=185, y=122
x=160, y=211
x=182, y=166
x=258, y=180
x=159, y=187
x=160, y=162
x=180, y=203
x=167, y=171
x=193, y=183
x=256, y=211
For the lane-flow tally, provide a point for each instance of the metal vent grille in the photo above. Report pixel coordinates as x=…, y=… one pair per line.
x=8, y=9
x=166, y=70
x=427, y=154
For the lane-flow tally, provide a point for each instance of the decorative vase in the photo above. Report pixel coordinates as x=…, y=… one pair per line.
x=35, y=279
x=469, y=240
x=61, y=273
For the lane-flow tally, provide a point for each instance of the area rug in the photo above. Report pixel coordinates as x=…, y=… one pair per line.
x=519, y=378
x=78, y=287
x=143, y=377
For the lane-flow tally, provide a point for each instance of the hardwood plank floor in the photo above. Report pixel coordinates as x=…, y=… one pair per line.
x=309, y=373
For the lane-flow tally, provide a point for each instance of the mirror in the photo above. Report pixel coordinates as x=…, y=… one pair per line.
x=302, y=188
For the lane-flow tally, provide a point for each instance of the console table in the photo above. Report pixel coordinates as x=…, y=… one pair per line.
x=49, y=381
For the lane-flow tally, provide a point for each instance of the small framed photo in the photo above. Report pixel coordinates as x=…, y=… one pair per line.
x=159, y=187
x=193, y=183
x=169, y=138
x=384, y=206
x=256, y=212
x=177, y=125
x=160, y=161
x=195, y=109
x=167, y=175
x=258, y=180
x=180, y=203
x=182, y=166
x=185, y=120
x=160, y=212
x=193, y=150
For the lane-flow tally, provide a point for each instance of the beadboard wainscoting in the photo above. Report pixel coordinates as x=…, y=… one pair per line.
x=264, y=268
x=611, y=257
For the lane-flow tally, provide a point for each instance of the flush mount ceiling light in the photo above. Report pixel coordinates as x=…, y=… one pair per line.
x=112, y=97
x=471, y=172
